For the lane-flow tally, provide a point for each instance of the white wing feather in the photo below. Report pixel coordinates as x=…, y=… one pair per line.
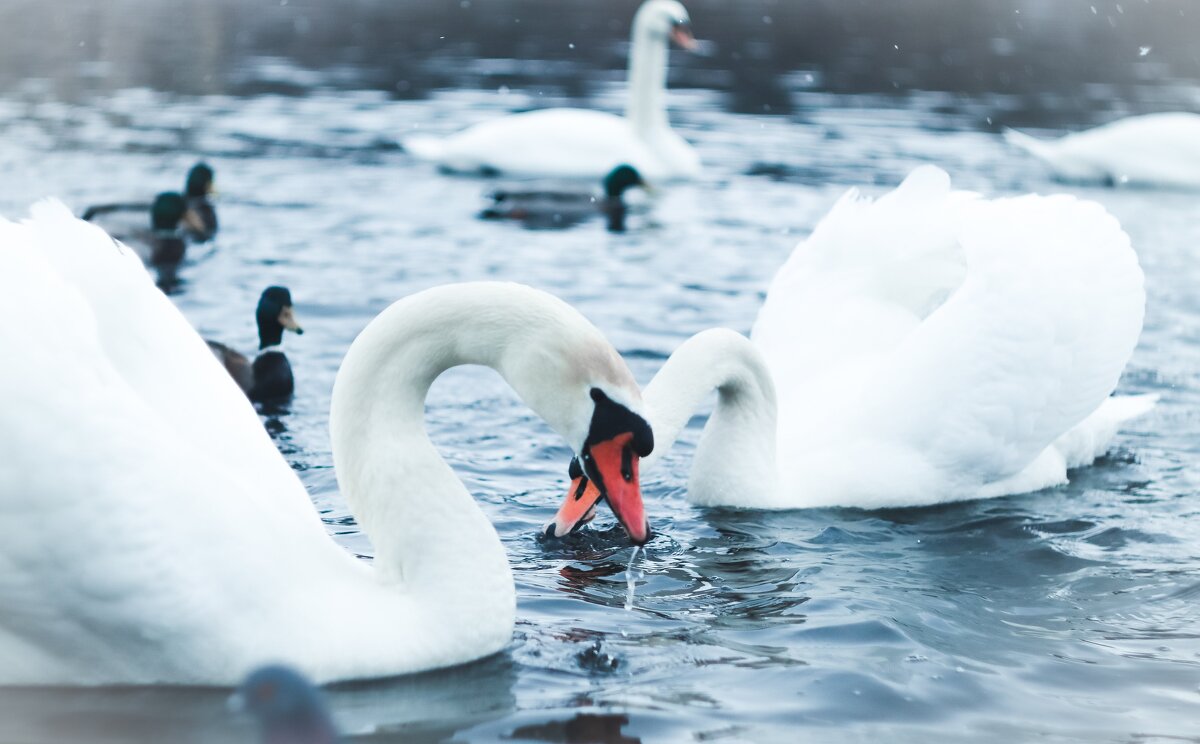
x=933, y=346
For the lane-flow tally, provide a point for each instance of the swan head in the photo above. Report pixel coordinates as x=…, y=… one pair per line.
x=665, y=19
x=617, y=438
x=275, y=315
x=607, y=469
x=569, y=374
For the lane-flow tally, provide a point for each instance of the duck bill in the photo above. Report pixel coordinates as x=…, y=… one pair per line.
x=681, y=34
x=578, y=508
x=612, y=466
x=287, y=319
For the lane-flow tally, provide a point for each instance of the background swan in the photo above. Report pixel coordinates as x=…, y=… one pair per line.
x=579, y=143
x=931, y=346
x=1152, y=150
x=157, y=536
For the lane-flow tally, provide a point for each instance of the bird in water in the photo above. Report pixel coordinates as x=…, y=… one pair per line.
x=196, y=219
x=269, y=376
x=287, y=707
x=558, y=208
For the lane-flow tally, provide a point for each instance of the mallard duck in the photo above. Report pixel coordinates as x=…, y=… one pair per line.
x=269, y=376
x=551, y=208
x=196, y=218
x=200, y=220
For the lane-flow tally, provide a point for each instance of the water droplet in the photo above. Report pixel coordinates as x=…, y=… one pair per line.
x=896, y=47
x=630, y=579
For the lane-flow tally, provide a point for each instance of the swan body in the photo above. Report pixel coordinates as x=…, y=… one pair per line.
x=157, y=536
x=580, y=143
x=1151, y=150
x=927, y=347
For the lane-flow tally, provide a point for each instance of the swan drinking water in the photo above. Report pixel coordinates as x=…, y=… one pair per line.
x=927, y=347
x=157, y=536
x=578, y=143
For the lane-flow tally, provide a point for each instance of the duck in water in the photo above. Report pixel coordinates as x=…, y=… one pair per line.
x=197, y=220
x=269, y=375
x=558, y=208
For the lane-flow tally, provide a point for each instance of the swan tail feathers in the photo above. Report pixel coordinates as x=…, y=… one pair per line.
x=1093, y=436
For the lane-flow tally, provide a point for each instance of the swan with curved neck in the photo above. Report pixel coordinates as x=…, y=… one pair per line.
x=172, y=542
x=927, y=347
x=580, y=143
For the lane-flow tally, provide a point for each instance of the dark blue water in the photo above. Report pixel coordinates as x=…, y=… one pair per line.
x=1064, y=615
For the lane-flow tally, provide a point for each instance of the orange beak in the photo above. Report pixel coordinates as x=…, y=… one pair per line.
x=610, y=471
x=578, y=508
x=681, y=34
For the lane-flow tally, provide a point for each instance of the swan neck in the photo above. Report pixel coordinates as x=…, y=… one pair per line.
x=646, y=109
x=426, y=529
x=737, y=449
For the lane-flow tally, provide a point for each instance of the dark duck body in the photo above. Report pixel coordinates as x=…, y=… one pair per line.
x=557, y=208
x=269, y=375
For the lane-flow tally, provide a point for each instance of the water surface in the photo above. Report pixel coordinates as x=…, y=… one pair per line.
x=1063, y=615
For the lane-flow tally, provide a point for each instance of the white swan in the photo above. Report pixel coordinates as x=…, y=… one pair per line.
x=1151, y=150
x=578, y=143
x=155, y=535
x=927, y=347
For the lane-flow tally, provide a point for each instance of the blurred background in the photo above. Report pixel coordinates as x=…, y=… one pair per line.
x=1042, y=59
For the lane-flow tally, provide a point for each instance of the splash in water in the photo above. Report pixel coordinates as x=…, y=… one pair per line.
x=631, y=578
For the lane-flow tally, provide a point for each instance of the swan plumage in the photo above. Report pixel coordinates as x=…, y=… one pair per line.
x=924, y=347
x=157, y=536
x=1150, y=150
x=581, y=143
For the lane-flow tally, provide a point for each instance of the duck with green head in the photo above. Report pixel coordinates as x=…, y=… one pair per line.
x=560, y=207
x=269, y=375
x=196, y=219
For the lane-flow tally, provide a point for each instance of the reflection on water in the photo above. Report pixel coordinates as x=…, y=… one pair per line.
x=1063, y=615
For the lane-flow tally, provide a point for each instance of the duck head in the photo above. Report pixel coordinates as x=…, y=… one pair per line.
x=274, y=315
x=621, y=179
x=200, y=181
x=167, y=210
